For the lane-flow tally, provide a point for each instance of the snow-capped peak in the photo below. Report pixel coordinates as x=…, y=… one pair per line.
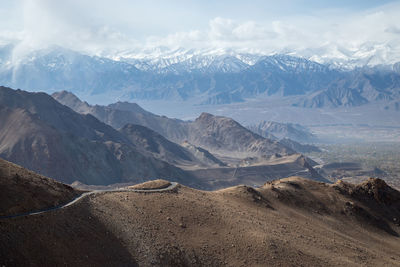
x=163, y=59
x=188, y=60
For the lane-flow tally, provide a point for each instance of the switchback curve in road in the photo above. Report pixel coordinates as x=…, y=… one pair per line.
x=172, y=186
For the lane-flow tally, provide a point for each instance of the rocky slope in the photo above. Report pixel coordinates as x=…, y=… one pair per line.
x=158, y=146
x=22, y=190
x=203, y=155
x=285, y=222
x=224, y=135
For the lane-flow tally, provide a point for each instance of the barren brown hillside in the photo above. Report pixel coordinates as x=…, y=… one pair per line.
x=22, y=190
x=288, y=222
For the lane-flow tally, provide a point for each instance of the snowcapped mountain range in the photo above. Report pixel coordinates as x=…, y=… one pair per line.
x=184, y=61
x=206, y=77
x=162, y=58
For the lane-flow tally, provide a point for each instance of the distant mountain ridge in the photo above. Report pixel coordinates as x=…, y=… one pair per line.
x=160, y=58
x=206, y=79
x=213, y=133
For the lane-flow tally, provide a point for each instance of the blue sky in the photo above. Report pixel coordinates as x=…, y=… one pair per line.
x=165, y=17
x=318, y=29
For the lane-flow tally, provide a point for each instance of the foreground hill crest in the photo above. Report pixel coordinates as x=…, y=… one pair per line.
x=290, y=221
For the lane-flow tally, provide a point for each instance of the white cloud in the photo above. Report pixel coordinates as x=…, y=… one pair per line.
x=96, y=27
x=370, y=36
x=46, y=23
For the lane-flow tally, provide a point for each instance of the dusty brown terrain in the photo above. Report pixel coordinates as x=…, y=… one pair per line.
x=22, y=190
x=288, y=222
x=155, y=184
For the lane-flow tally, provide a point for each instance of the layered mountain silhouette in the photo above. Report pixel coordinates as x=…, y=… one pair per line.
x=43, y=135
x=46, y=136
x=214, y=133
x=121, y=113
x=222, y=152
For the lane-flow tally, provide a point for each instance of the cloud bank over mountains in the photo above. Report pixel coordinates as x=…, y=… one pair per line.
x=367, y=36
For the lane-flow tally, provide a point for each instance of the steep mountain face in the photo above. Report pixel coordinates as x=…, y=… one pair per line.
x=205, y=79
x=121, y=113
x=36, y=145
x=72, y=101
x=295, y=132
x=58, y=116
x=223, y=134
x=158, y=146
x=203, y=155
x=39, y=133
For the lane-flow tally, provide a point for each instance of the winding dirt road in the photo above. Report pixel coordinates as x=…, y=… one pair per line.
x=156, y=190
